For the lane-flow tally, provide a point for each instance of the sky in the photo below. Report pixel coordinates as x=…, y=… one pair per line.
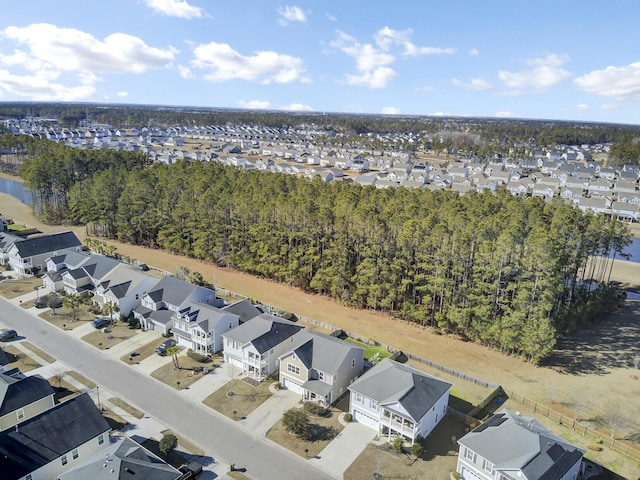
x=560, y=59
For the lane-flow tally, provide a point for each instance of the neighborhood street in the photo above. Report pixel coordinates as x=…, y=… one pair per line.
x=220, y=437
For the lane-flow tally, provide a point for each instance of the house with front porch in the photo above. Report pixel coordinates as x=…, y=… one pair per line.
x=320, y=367
x=157, y=307
x=397, y=400
x=83, y=279
x=257, y=345
x=199, y=326
x=123, y=286
x=57, y=265
x=6, y=242
x=23, y=398
x=509, y=446
x=28, y=256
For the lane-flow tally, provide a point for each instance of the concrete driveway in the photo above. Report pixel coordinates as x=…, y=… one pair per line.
x=344, y=449
x=266, y=415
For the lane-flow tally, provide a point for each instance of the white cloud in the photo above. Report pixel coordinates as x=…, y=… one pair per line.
x=541, y=74
x=477, y=84
x=610, y=106
x=424, y=90
x=224, y=63
x=185, y=72
x=390, y=111
x=122, y=94
x=371, y=62
x=297, y=107
x=175, y=8
x=291, y=14
x=504, y=114
x=331, y=17
x=254, y=104
x=473, y=52
x=41, y=86
x=582, y=107
x=379, y=78
x=387, y=37
x=619, y=82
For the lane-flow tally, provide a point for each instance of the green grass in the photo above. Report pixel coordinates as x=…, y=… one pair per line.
x=369, y=350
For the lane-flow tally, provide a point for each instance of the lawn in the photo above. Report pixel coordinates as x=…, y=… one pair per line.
x=16, y=287
x=44, y=356
x=322, y=430
x=116, y=333
x=134, y=412
x=63, y=390
x=370, y=350
x=82, y=379
x=187, y=375
x=145, y=351
x=63, y=317
x=238, y=396
x=20, y=360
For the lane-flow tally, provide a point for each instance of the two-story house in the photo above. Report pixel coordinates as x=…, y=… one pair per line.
x=320, y=367
x=509, y=446
x=54, y=441
x=165, y=298
x=256, y=345
x=83, y=279
x=123, y=286
x=397, y=400
x=57, y=265
x=200, y=326
x=29, y=256
x=23, y=398
x=6, y=242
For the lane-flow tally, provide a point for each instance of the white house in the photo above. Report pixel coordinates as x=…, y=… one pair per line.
x=397, y=400
x=200, y=326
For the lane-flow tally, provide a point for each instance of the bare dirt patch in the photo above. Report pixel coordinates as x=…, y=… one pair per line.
x=238, y=396
x=18, y=359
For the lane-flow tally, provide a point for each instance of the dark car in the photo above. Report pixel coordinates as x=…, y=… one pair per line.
x=101, y=323
x=8, y=335
x=190, y=470
x=162, y=348
x=41, y=303
x=54, y=302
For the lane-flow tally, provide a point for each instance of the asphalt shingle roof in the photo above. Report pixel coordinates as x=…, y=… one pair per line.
x=47, y=243
x=264, y=331
x=17, y=393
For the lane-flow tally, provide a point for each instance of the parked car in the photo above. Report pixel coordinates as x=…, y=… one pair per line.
x=162, y=348
x=190, y=470
x=100, y=322
x=41, y=303
x=55, y=302
x=8, y=335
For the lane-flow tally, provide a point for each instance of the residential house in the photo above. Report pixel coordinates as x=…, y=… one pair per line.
x=509, y=446
x=124, y=459
x=56, y=440
x=320, y=367
x=6, y=242
x=625, y=211
x=594, y=205
x=199, y=326
x=256, y=345
x=52, y=280
x=165, y=298
x=23, y=398
x=29, y=256
x=122, y=287
x=397, y=400
x=83, y=279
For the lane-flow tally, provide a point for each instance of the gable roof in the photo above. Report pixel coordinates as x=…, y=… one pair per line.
x=389, y=382
x=511, y=441
x=122, y=279
x=264, y=332
x=17, y=393
x=321, y=352
x=8, y=239
x=172, y=290
x=123, y=459
x=206, y=316
x=46, y=437
x=244, y=309
x=47, y=243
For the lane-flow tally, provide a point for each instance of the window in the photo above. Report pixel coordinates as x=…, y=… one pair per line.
x=469, y=455
x=271, y=352
x=230, y=325
x=487, y=465
x=28, y=477
x=100, y=439
x=353, y=363
x=373, y=405
x=64, y=460
x=74, y=453
x=20, y=413
x=321, y=376
x=293, y=369
x=359, y=398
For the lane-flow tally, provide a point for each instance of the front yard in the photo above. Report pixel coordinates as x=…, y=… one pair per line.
x=238, y=396
x=322, y=430
x=63, y=317
x=190, y=372
x=108, y=337
x=18, y=359
x=145, y=351
x=12, y=288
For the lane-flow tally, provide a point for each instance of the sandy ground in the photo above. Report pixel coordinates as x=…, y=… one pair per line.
x=596, y=364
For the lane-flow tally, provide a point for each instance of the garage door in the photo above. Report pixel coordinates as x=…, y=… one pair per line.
x=366, y=420
x=291, y=385
x=469, y=475
x=233, y=361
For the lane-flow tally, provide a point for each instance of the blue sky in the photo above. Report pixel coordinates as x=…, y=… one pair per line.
x=560, y=59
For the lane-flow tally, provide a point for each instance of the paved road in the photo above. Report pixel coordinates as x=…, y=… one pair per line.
x=216, y=434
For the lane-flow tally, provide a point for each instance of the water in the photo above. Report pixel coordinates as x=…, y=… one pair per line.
x=17, y=190
x=634, y=250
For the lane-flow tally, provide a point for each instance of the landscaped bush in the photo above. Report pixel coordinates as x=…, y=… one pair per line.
x=198, y=357
x=277, y=385
x=315, y=409
x=348, y=417
x=397, y=445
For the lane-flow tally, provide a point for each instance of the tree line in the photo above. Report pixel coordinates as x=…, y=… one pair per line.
x=512, y=273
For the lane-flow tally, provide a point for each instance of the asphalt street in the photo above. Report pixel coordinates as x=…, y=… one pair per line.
x=217, y=435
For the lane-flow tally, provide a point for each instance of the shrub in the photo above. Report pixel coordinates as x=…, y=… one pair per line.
x=277, y=385
x=296, y=421
x=348, y=417
x=456, y=475
x=198, y=357
x=397, y=445
x=417, y=449
x=315, y=409
x=168, y=443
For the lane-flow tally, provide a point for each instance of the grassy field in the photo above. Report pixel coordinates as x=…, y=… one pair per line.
x=370, y=350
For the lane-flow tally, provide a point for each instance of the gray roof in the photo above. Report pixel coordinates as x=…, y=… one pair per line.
x=97, y=266
x=244, y=309
x=47, y=243
x=321, y=352
x=124, y=459
x=511, y=441
x=172, y=291
x=48, y=436
x=122, y=279
x=7, y=239
x=389, y=382
x=71, y=259
x=17, y=393
x=206, y=316
x=264, y=331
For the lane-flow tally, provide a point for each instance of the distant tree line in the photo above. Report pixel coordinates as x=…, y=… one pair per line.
x=508, y=272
